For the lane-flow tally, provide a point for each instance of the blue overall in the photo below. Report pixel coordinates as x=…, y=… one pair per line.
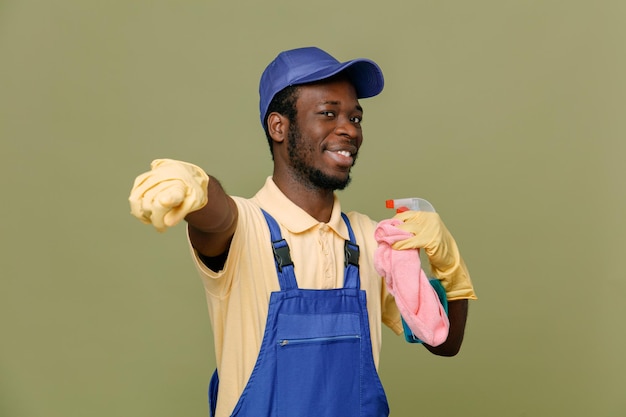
x=316, y=355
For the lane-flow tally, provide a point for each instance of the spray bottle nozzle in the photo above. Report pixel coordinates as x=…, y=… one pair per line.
x=405, y=204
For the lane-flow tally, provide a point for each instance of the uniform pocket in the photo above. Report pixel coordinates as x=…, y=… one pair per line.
x=319, y=365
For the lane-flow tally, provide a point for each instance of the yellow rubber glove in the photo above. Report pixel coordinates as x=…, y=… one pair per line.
x=164, y=195
x=446, y=263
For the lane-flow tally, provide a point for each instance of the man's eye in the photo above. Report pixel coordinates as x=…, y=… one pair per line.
x=357, y=119
x=329, y=113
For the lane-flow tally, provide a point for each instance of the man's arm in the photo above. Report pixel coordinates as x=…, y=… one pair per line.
x=212, y=227
x=173, y=190
x=457, y=314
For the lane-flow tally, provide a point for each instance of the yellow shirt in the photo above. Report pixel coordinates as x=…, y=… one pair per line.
x=238, y=296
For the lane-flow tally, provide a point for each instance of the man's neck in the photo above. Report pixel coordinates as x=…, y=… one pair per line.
x=318, y=203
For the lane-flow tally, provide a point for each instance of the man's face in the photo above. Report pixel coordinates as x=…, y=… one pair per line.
x=324, y=141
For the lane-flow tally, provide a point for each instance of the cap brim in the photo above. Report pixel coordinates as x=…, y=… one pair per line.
x=365, y=75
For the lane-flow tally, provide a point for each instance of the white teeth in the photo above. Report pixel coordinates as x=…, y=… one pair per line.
x=344, y=153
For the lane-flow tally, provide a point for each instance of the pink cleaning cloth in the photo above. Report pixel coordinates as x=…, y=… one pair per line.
x=416, y=299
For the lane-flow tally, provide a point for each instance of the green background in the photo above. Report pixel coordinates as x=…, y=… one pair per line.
x=509, y=116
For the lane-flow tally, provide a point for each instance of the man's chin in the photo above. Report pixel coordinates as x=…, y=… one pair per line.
x=327, y=182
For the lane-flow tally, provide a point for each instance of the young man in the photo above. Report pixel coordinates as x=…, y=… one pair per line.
x=294, y=299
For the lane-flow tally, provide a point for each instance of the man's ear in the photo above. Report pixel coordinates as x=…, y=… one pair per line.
x=277, y=126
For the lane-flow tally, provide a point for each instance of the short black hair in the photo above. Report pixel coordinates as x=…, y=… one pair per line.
x=284, y=102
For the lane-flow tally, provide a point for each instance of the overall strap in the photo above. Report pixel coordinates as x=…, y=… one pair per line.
x=351, y=278
x=284, y=264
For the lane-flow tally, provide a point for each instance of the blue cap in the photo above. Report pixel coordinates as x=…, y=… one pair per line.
x=307, y=65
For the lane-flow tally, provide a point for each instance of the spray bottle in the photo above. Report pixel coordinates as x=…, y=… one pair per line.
x=418, y=204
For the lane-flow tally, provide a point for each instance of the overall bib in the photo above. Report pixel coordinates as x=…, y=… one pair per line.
x=316, y=355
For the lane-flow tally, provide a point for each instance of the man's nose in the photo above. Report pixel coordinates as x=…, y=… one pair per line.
x=345, y=127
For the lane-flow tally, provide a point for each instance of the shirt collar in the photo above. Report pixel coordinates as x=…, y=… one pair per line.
x=292, y=217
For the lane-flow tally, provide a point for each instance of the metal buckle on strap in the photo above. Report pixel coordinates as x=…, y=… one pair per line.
x=281, y=254
x=351, y=253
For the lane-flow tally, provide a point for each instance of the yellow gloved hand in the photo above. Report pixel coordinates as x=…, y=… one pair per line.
x=164, y=195
x=443, y=254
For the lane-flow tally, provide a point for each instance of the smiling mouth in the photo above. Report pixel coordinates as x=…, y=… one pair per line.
x=343, y=158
